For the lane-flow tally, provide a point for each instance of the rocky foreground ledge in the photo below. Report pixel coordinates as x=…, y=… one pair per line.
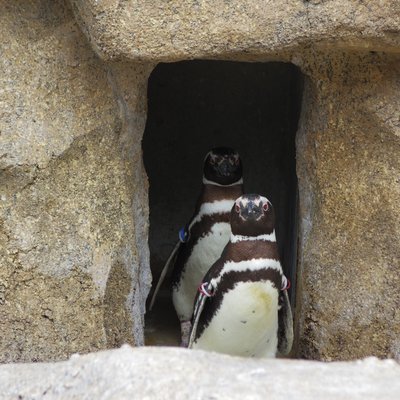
x=173, y=373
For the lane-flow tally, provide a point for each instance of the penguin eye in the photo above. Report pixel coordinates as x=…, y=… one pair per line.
x=237, y=208
x=265, y=207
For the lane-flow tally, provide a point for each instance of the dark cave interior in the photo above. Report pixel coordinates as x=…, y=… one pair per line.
x=194, y=106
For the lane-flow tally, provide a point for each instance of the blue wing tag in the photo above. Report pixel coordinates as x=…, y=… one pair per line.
x=183, y=235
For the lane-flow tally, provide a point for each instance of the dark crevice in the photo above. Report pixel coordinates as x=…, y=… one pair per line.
x=196, y=105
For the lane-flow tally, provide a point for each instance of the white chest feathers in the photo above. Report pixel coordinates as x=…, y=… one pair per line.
x=206, y=251
x=246, y=324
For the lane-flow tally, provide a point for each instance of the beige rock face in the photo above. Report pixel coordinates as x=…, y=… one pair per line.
x=236, y=29
x=71, y=256
x=157, y=373
x=348, y=167
x=73, y=203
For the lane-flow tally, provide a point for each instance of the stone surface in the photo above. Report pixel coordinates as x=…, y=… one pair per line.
x=237, y=29
x=73, y=273
x=162, y=373
x=348, y=165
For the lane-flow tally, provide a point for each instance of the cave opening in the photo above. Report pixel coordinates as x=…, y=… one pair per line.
x=194, y=106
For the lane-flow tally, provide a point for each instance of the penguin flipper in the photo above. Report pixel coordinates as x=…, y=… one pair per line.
x=198, y=309
x=169, y=262
x=207, y=289
x=285, y=332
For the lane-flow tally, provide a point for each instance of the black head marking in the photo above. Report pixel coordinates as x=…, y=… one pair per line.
x=223, y=166
x=252, y=215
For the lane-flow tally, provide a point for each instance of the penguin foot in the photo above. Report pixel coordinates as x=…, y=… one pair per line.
x=186, y=327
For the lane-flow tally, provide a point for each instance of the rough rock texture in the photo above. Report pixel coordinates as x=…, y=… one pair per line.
x=71, y=256
x=162, y=373
x=237, y=29
x=348, y=150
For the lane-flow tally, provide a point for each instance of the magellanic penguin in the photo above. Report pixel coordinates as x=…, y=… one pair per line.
x=207, y=233
x=242, y=307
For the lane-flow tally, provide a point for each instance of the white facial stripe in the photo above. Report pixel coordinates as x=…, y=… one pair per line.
x=210, y=153
x=267, y=237
x=205, y=158
x=258, y=201
x=207, y=182
x=216, y=207
x=254, y=264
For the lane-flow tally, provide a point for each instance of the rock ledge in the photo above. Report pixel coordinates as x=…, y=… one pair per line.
x=173, y=373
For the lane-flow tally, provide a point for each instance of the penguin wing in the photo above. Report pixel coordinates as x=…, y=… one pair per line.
x=285, y=331
x=206, y=290
x=174, y=253
x=170, y=261
x=198, y=309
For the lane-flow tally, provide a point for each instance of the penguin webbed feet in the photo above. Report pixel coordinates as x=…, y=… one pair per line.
x=186, y=327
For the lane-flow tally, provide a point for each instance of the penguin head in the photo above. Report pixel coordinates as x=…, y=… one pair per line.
x=252, y=215
x=222, y=165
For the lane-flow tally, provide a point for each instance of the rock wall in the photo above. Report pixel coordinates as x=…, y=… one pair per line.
x=140, y=373
x=73, y=274
x=236, y=29
x=73, y=204
x=348, y=168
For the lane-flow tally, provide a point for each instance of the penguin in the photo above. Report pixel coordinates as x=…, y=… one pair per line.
x=205, y=236
x=243, y=307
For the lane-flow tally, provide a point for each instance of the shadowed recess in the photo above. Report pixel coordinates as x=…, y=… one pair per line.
x=194, y=106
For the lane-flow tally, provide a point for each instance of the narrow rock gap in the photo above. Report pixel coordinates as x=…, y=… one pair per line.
x=194, y=106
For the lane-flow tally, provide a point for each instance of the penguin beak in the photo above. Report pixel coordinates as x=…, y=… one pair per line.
x=252, y=211
x=225, y=168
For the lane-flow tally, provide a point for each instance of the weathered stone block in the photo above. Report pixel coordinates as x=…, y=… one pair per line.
x=236, y=29
x=348, y=162
x=73, y=274
x=166, y=373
